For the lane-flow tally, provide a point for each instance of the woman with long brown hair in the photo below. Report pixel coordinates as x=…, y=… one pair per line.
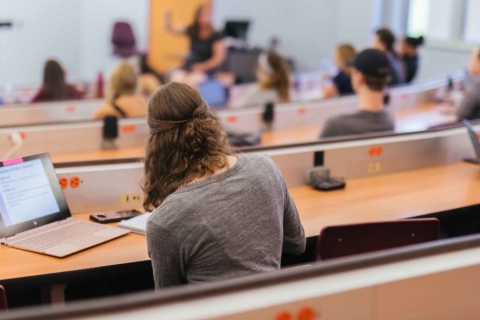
x=273, y=82
x=207, y=49
x=54, y=87
x=216, y=215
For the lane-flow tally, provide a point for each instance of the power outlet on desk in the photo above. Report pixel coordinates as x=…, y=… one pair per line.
x=124, y=198
x=374, y=167
x=135, y=197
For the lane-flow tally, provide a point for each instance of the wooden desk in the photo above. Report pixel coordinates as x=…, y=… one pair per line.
x=419, y=118
x=386, y=197
x=415, y=119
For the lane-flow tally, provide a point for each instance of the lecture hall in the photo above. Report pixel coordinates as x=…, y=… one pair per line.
x=240, y=159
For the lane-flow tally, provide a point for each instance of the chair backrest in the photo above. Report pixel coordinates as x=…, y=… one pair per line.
x=3, y=299
x=123, y=39
x=346, y=240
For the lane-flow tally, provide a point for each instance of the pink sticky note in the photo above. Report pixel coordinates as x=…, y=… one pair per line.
x=12, y=161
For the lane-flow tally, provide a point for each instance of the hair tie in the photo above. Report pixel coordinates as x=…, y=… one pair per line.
x=158, y=126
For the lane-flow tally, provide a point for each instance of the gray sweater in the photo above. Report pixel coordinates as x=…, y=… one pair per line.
x=360, y=122
x=230, y=225
x=470, y=107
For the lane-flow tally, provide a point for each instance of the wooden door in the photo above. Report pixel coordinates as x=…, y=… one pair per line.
x=165, y=49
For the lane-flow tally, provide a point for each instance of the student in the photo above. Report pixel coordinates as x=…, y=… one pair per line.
x=122, y=99
x=385, y=42
x=369, y=79
x=273, y=82
x=470, y=106
x=216, y=216
x=54, y=87
x=410, y=58
x=207, y=49
x=148, y=80
x=341, y=83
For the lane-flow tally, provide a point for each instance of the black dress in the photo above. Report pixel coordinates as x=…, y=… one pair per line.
x=201, y=50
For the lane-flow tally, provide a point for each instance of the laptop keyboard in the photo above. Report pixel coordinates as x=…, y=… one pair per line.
x=59, y=236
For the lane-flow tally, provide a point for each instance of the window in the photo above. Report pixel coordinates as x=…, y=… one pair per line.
x=418, y=14
x=431, y=18
x=472, y=21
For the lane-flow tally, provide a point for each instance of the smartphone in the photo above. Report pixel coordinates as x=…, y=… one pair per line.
x=109, y=217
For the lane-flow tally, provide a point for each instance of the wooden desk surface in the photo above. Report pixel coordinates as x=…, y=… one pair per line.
x=407, y=120
x=385, y=197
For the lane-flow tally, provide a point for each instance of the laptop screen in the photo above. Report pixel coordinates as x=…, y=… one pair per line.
x=213, y=93
x=30, y=195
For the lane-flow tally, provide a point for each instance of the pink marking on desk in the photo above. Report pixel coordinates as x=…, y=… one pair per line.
x=12, y=161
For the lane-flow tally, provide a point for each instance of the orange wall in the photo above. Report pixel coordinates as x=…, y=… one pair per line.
x=164, y=48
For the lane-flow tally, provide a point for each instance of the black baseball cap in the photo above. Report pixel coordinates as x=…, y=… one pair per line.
x=372, y=62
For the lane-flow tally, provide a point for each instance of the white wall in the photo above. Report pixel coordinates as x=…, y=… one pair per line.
x=76, y=32
x=98, y=17
x=39, y=33
x=308, y=30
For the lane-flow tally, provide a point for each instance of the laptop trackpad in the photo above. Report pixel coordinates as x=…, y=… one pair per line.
x=75, y=245
x=88, y=241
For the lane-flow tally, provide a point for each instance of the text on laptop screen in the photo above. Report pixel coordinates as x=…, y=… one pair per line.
x=25, y=193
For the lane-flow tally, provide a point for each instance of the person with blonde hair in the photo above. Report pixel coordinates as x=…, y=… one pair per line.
x=216, y=215
x=273, y=82
x=122, y=99
x=342, y=83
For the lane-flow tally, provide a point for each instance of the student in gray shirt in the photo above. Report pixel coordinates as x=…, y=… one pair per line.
x=369, y=79
x=217, y=216
x=470, y=106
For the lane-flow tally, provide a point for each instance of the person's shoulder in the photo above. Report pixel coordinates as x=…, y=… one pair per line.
x=257, y=158
x=171, y=213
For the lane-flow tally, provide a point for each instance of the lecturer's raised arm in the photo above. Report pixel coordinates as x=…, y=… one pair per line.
x=175, y=29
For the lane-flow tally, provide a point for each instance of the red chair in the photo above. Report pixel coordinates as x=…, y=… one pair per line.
x=123, y=40
x=346, y=240
x=3, y=299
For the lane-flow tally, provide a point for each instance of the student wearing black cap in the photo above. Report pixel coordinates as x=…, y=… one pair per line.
x=370, y=76
x=409, y=52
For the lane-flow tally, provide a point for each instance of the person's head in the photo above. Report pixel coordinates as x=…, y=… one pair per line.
x=409, y=46
x=272, y=73
x=384, y=40
x=202, y=19
x=344, y=53
x=474, y=66
x=186, y=142
x=54, y=85
x=123, y=81
x=370, y=71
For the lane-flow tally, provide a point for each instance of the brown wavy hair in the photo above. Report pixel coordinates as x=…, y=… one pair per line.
x=186, y=142
x=280, y=79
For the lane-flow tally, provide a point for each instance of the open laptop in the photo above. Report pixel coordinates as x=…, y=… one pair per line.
x=34, y=215
x=476, y=144
x=213, y=93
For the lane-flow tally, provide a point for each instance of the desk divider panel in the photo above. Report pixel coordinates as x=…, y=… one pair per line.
x=48, y=112
x=436, y=280
x=117, y=186
x=83, y=137
x=70, y=138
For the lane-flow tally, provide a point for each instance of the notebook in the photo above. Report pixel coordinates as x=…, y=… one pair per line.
x=137, y=224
